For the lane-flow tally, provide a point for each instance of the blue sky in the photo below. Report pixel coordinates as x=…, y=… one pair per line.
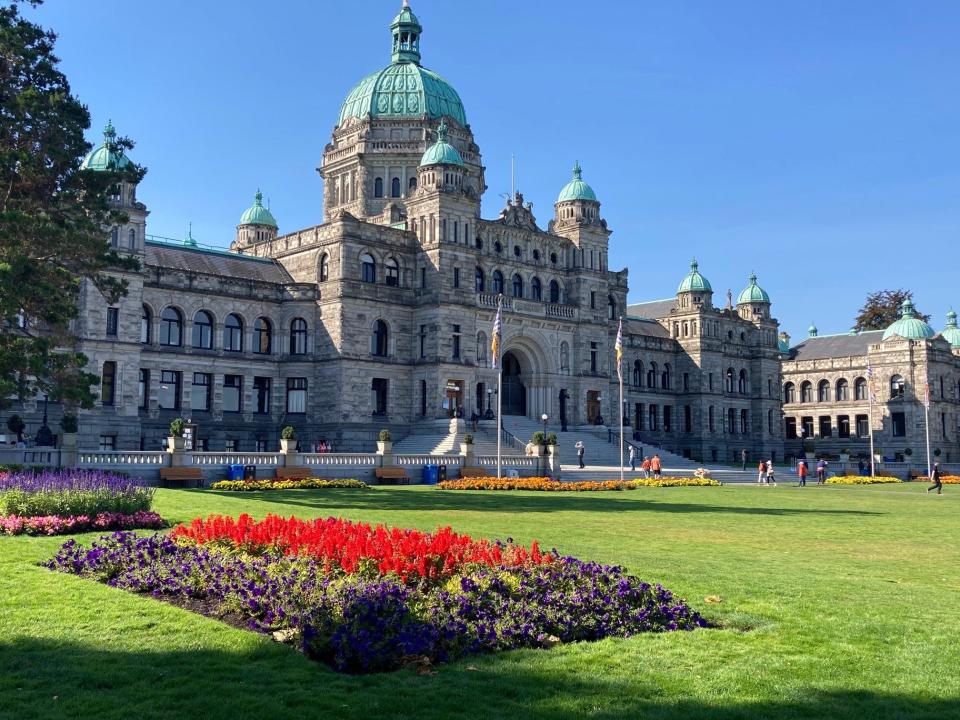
x=813, y=142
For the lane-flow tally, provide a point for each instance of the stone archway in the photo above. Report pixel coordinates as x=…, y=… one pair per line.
x=514, y=389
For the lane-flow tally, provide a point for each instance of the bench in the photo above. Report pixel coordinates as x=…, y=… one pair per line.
x=469, y=471
x=391, y=476
x=293, y=473
x=183, y=475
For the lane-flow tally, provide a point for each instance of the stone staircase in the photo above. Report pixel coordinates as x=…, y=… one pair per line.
x=432, y=437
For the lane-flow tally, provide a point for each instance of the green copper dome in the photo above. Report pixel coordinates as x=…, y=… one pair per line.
x=577, y=189
x=753, y=293
x=257, y=214
x=694, y=281
x=812, y=330
x=441, y=152
x=951, y=333
x=188, y=241
x=908, y=326
x=404, y=88
x=108, y=156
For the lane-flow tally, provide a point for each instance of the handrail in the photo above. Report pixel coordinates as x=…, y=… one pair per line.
x=511, y=439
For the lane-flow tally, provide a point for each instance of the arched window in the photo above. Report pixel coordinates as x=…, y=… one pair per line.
x=395, y=187
x=497, y=282
x=481, y=348
x=378, y=339
x=652, y=376
x=114, y=237
x=478, y=279
x=789, y=393
x=298, y=336
x=536, y=291
x=412, y=183
x=806, y=391
x=171, y=327
x=554, y=291
x=392, y=269
x=324, y=267
x=132, y=238
x=203, y=330
x=665, y=379
x=860, y=389
x=896, y=387
x=368, y=268
x=517, y=286
x=611, y=308
x=262, y=336
x=233, y=334
x=742, y=382
x=637, y=373
x=378, y=187
x=843, y=390
x=823, y=391
x=728, y=380
x=146, y=326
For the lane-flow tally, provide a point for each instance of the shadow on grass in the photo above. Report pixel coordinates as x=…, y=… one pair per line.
x=45, y=679
x=507, y=502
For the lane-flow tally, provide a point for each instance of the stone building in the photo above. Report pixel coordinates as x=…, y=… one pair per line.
x=827, y=385
x=380, y=315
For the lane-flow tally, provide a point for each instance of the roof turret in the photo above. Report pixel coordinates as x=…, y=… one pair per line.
x=694, y=281
x=441, y=152
x=908, y=326
x=577, y=189
x=951, y=333
x=257, y=214
x=107, y=157
x=812, y=330
x=753, y=293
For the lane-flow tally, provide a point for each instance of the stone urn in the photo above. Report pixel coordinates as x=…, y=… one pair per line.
x=384, y=447
x=176, y=443
x=68, y=441
x=288, y=445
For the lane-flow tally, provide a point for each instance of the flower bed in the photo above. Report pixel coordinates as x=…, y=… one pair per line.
x=676, y=482
x=72, y=493
x=949, y=479
x=861, y=480
x=276, y=484
x=59, y=525
x=368, y=620
x=533, y=483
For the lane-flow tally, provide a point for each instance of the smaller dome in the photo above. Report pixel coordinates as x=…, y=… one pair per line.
x=107, y=157
x=694, y=281
x=908, y=326
x=812, y=330
x=441, y=152
x=577, y=189
x=951, y=333
x=753, y=293
x=257, y=214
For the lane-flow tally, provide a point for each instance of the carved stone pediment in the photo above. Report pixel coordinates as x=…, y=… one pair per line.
x=518, y=214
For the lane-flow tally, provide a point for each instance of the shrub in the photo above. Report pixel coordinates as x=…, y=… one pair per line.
x=908, y=451
x=468, y=439
x=384, y=435
x=861, y=480
x=538, y=438
x=69, y=423
x=551, y=438
x=950, y=479
x=72, y=492
x=676, y=482
x=288, y=433
x=16, y=424
x=176, y=427
x=277, y=484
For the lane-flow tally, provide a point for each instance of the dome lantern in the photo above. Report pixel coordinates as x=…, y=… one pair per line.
x=406, y=31
x=951, y=333
x=908, y=327
x=694, y=281
x=108, y=157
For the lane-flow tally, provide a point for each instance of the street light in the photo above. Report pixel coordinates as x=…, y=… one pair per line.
x=544, y=418
x=489, y=413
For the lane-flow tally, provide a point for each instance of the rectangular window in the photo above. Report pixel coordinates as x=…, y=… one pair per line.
x=108, y=383
x=232, y=393
x=113, y=321
x=843, y=426
x=826, y=426
x=593, y=357
x=593, y=300
x=262, y=446
x=638, y=415
x=143, y=388
x=456, y=231
x=687, y=418
x=790, y=426
x=423, y=277
x=108, y=443
x=456, y=342
x=654, y=418
x=456, y=276
x=423, y=341
x=261, y=392
x=200, y=391
x=898, y=421
x=943, y=424
x=863, y=427
x=378, y=389
x=710, y=378
x=231, y=445
x=806, y=426
x=169, y=397
x=711, y=421
x=686, y=381
x=667, y=418
x=296, y=395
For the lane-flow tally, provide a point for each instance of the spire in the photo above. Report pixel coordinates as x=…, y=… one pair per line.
x=258, y=198
x=188, y=241
x=753, y=278
x=406, y=31
x=693, y=265
x=109, y=133
x=577, y=172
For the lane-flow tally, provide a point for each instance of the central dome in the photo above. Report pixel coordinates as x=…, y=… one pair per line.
x=404, y=88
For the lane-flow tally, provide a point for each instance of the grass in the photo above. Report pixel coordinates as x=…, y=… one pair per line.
x=837, y=602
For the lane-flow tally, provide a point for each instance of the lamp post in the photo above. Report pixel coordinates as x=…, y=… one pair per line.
x=544, y=418
x=44, y=436
x=489, y=413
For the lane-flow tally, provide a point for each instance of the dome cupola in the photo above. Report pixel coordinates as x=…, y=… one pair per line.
x=951, y=333
x=257, y=225
x=108, y=157
x=406, y=30
x=577, y=189
x=812, y=330
x=441, y=152
x=694, y=282
x=753, y=293
x=909, y=327
x=257, y=214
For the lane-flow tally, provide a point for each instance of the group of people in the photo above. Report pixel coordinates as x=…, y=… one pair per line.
x=803, y=471
x=766, y=475
x=323, y=447
x=649, y=466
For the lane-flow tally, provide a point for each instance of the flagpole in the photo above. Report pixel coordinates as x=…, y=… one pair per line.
x=620, y=420
x=870, y=394
x=926, y=422
x=497, y=331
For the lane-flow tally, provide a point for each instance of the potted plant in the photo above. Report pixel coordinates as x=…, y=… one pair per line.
x=288, y=439
x=384, y=442
x=176, y=442
x=539, y=439
x=16, y=425
x=466, y=447
x=845, y=455
x=908, y=451
x=936, y=453
x=69, y=424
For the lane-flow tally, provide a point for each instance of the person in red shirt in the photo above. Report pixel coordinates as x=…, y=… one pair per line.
x=802, y=472
x=655, y=466
x=645, y=466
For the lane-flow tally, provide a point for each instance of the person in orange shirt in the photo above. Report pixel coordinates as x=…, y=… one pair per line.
x=645, y=466
x=655, y=466
x=802, y=472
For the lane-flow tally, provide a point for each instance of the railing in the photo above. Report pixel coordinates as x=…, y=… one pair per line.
x=340, y=459
x=235, y=458
x=408, y=460
x=508, y=461
x=560, y=311
x=149, y=458
x=512, y=440
x=24, y=456
x=491, y=300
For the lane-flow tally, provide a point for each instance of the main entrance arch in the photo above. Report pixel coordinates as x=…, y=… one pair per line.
x=514, y=389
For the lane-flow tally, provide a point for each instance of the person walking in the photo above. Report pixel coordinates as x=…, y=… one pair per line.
x=802, y=472
x=743, y=459
x=935, y=479
x=861, y=466
x=580, y=448
x=822, y=471
x=633, y=459
x=771, y=476
x=656, y=466
x=761, y=473
x=645, y=466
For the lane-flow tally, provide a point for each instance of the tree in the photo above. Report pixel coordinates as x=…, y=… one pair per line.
x=882, y=309
x=53, y=218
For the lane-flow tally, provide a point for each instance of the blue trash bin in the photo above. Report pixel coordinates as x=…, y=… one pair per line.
x=431, y=473
x=235, y=472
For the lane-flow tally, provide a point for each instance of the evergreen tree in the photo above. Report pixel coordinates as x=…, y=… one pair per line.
x=54, y=218
x=882, y=309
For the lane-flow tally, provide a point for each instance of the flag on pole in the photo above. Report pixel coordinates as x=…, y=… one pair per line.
x=618, y=347
x=495, y=339
x=870, y=389
x=926, y=396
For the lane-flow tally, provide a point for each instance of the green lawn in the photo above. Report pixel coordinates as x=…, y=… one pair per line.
x=836, y=601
